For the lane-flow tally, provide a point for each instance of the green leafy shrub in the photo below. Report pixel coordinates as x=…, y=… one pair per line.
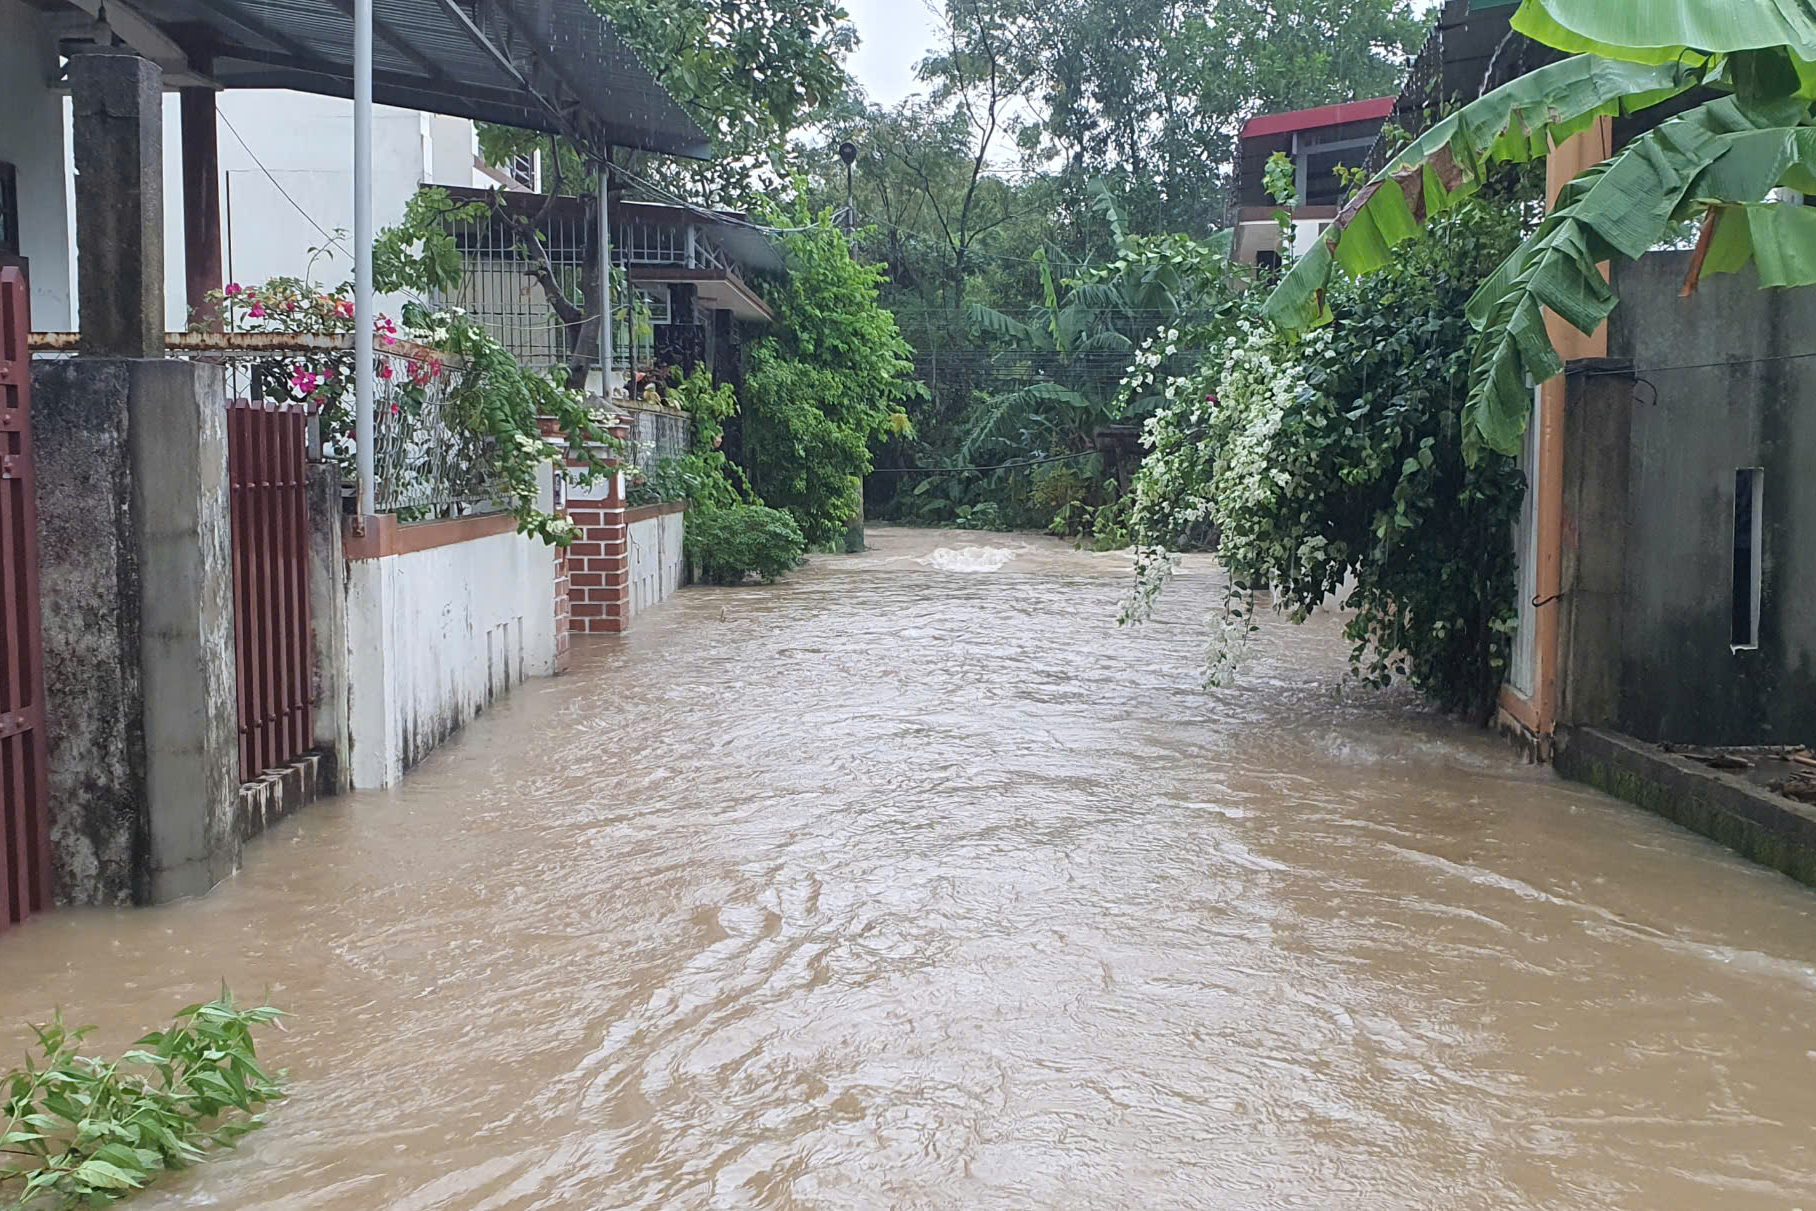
x=85, y=1130
x=727, y=545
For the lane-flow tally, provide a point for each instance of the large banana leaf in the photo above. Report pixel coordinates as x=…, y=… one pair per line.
x=1669, y=31
x=1516, y=122
x=1719, y=154
x=996, y=323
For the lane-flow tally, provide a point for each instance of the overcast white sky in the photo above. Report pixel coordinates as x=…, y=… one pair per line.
x=896, y=35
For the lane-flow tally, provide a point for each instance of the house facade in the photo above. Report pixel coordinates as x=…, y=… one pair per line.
x=221, y=633
x=1317, y=141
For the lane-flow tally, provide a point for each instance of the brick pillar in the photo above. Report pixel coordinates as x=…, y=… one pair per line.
x=564, y=655
x=599, y=573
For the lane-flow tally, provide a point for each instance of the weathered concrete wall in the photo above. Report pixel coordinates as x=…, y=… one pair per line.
x=1680, y=677
x=434, y=636
x=89, y=575
x=138, y=625
x=656, y=562
x=31, y=139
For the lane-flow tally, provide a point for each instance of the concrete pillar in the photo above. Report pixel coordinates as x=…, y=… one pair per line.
x=328, y=634
x=201, y=206
x=136, y=569
x=179, y=465
x=118, y=103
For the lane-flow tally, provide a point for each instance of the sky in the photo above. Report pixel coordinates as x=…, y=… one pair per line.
x=896, y=34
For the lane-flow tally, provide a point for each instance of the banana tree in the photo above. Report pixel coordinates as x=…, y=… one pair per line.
x=1719, y=162
x=1064, y=347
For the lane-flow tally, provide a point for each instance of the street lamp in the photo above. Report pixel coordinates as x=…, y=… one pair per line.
x=848, y=152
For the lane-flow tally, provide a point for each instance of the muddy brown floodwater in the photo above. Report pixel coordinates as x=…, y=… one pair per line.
x=914, y=884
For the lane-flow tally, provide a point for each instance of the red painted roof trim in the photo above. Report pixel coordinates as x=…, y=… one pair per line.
x=1316, y=119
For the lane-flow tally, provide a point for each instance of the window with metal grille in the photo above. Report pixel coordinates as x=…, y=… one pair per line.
x=656, y=298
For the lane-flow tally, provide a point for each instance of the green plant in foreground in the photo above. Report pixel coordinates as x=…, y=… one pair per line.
x=729, y=544
x=78, y=1129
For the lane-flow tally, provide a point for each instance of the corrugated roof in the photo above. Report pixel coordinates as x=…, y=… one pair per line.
x=1318, y=118
x=547, y=65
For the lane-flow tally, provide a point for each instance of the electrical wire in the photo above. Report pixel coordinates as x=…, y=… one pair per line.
x=1032, y=462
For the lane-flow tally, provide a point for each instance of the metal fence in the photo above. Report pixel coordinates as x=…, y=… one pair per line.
x=25, y=883
x=269, y=512
x=426, y=465
x=656, y=434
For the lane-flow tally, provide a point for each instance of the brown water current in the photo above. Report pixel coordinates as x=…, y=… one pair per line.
x=909, y=884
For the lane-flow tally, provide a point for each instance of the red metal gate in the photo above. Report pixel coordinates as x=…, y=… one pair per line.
x=266, y=465
x=24, y=781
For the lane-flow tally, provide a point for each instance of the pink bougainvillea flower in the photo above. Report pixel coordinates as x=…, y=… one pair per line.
x=384, y=370
x=304, y=382
x=258, y=311
x=233, y=290
x=344, y=308
x=395, y=409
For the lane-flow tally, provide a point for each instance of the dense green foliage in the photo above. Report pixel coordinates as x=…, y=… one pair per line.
x=1341, y=455
x=1141, y=99
x=703, y=477
x=1748, y=65
x=86, y=1130
x=824, y=381
x=727, y=545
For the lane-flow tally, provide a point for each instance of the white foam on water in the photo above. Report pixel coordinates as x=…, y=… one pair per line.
x=967, y=559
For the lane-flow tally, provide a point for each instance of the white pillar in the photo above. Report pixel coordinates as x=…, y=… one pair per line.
x=363, y=316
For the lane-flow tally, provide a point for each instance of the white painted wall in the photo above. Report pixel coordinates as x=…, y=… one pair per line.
x=656, y=564
x=434, y=636
x=32, y=138
x=287, y=183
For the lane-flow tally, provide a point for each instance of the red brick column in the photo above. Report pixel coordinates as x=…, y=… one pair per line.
x=599, y=575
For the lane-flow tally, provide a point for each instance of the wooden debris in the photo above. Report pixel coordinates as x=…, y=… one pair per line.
x=1721, y=760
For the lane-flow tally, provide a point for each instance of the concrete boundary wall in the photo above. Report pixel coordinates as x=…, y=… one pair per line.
x=1766, y=828
x=657, y=568
x=436, y=633
x=136, y=578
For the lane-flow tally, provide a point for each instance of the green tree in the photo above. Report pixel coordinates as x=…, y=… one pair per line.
x=825, y=381
x=1718, y=162
x=1150, y=94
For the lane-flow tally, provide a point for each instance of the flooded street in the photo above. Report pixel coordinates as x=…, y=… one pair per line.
x=910, y=883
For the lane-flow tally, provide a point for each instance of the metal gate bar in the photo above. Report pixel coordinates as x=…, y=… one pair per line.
x=25, y=878
x=266, y=465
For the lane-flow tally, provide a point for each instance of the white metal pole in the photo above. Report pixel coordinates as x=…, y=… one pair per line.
x=605, y=280
x=363, y=316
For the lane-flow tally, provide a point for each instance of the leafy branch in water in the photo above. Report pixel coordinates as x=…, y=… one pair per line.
x=80, y=1129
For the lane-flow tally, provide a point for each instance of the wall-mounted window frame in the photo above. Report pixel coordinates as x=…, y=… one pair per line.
x=9, y=210
x=1749, y=543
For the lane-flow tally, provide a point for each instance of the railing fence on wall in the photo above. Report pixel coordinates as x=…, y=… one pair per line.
x=25, y=882
x=267, y=464
x=656, y=434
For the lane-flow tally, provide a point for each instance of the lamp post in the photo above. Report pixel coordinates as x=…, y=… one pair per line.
x=848, y=152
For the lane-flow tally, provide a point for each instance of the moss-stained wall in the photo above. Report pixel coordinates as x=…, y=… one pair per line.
x=1725, y=381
